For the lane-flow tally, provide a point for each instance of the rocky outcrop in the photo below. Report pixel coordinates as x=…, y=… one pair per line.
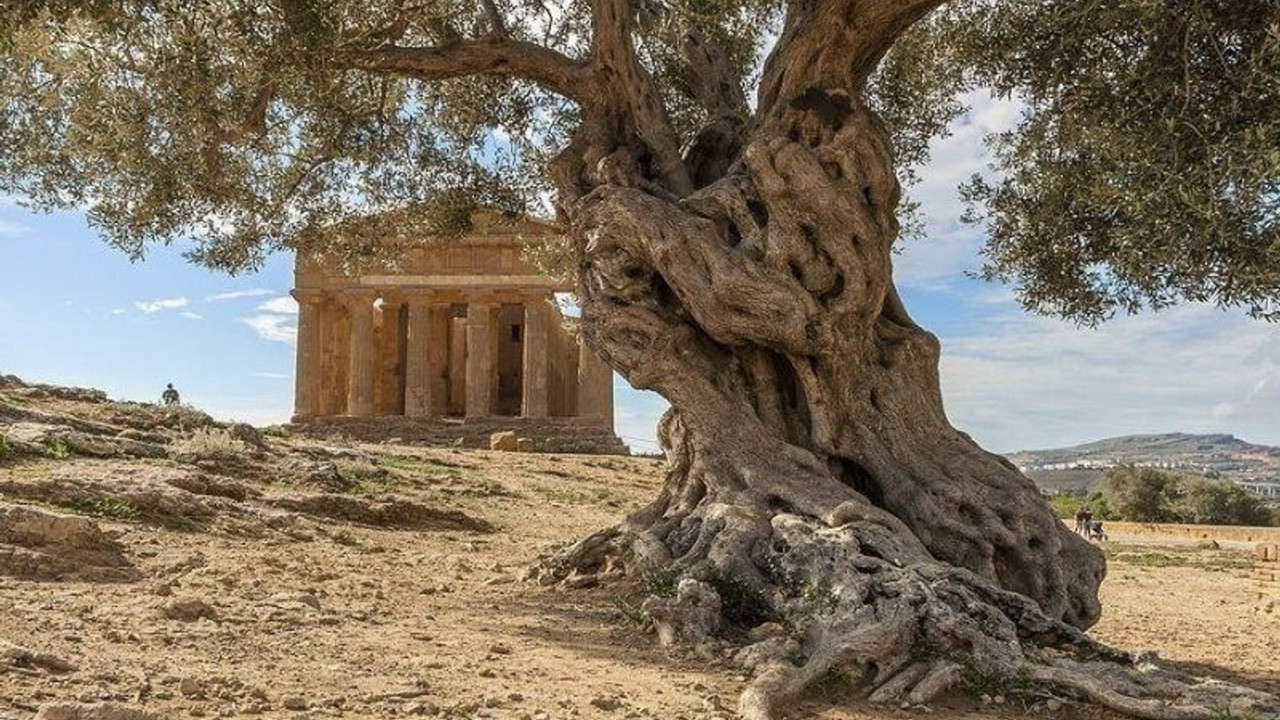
x=40, y=545
x=400, y=514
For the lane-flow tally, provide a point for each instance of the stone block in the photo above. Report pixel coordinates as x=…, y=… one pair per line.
x=525, y=445
x=505, y=440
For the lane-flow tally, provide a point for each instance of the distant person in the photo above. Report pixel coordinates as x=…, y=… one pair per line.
x=1084, y=521
x=1096, y=532
x=170, y=395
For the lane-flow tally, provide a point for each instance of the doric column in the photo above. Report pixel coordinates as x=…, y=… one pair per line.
x=479, y=358
x=306, y=381
x=418, y=400
x=363, y=353
x=595, y=387
x=335, y=334
x=537, y=320
x=457, y=372
x=439, y=316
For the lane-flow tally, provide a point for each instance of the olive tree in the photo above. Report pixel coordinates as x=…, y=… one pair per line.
x=729, y=177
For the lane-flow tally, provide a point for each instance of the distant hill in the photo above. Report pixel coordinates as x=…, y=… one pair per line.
x=1217, y=455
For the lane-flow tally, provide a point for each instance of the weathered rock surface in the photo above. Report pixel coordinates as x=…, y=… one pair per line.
x=97, y=711
x=400, y=514
x=40, y=545
x=505, y=441
x=18, y=656
x=690, y=617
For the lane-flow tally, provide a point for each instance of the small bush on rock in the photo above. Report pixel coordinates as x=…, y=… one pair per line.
x=108, y=507
x=57, y=448
x=209, y=444
x=275, y=431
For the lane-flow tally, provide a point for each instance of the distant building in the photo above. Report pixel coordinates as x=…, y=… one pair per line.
x=463, y=330
x=1262, y=489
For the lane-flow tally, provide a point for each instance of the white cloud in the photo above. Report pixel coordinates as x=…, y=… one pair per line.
x=1025, y=382
x=950, y=247
x=192, y=316
x=275, y=328
x=11, y=229
x=283, y=305
x=234, y=294
x=119, y=311
x=271, y=375
x=155, y=306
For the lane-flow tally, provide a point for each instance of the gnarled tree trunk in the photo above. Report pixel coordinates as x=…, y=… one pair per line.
x=813, y=471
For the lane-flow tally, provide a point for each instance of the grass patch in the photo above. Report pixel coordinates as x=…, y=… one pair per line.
x=486, y=488
x=632, y=614
x=606, y=464
x=6, y=450
x=374, y=485
x=1213, y=561
x=422, y=467
x=209, y=443
x=578, y=495
x=58, y=449
x=106, y=506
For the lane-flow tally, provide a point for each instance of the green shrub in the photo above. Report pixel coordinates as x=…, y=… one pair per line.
x=1143, y=494
x=57, y=448
x=1065, y=505
x=109, y=507
x=1221, y=502
x=6, y=450
x=662, y=582
x=275, y=431
x=1149, y=495
x=742, y=602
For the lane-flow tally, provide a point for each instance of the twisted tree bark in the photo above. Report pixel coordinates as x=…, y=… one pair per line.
x=814, y=478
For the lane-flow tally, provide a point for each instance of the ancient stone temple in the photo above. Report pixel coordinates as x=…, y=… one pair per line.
x=454, y=341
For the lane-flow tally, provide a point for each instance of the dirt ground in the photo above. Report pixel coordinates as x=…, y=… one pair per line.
x=272, y=611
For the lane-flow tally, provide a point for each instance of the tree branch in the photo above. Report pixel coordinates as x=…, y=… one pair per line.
x=713, y=81
x=833, y=44
x=717, y=86
x=633, y=88
x=497, y=57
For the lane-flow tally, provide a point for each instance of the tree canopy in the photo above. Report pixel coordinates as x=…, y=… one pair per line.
x=1143, y=171
x=1150, y=495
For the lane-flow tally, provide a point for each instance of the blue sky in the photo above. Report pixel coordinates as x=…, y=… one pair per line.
x=73, y=311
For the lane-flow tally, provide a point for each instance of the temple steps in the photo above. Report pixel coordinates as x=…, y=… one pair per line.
x=548, y=435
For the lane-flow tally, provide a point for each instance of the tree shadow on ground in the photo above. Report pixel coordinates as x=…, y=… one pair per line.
x=1258, y=680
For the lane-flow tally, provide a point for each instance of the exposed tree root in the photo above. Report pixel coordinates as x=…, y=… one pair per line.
x=860, y=602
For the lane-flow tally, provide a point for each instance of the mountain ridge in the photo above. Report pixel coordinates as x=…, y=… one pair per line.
x=1211, y=455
